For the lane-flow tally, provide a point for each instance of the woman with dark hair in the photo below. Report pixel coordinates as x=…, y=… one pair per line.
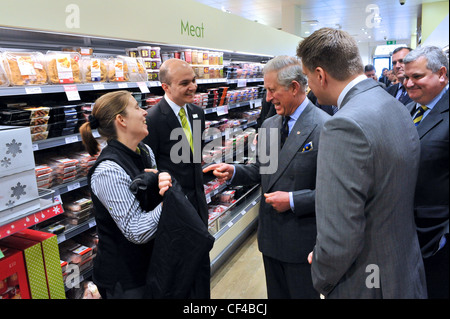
x=126, y=215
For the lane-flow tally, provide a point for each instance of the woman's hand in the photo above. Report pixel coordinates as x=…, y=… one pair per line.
x=165, y=181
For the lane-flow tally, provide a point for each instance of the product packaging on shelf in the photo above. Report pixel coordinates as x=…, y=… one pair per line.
x=93, y=69
x=34, y=264
x=25, y=68
x=17, y=176
x=63, y=67
x=4, y=81
x=13, y=275
x=50, y=251
x=135, y=67
x=117, y=70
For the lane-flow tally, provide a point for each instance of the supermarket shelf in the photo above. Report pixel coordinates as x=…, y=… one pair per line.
x=76, y=230
x=49, y=208
x=233, y=130
x=234, y=232
x=223, y=109
x=60, y=140
x=60, y=88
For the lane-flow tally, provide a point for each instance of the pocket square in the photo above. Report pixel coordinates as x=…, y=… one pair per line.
x=308, y=147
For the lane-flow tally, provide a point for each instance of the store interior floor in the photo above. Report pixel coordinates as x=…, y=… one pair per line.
x=242, y=276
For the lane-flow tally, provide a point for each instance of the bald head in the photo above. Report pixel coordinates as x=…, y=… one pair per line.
x=171, y=67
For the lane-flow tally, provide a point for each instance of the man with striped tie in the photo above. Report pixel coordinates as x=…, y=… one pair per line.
x=426, y=80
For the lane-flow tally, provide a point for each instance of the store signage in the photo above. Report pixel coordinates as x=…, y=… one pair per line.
x=192, y=30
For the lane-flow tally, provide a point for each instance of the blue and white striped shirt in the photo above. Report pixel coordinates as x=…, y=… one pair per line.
x=110, y=183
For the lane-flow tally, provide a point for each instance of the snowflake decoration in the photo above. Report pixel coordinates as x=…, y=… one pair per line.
x=13, y=148
x=56, y=210
x=6, y=162
x=10, y=203
x=18, y=190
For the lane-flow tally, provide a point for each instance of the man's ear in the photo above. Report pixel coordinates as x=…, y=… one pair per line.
x=321, y=76
x=442, y=74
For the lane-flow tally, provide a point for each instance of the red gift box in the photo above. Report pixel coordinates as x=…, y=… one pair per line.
x=13, y=275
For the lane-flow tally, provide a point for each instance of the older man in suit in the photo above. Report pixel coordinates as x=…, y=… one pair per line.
x=367, y=166
x=287, y=226
x=426, y=79
x=175, y=127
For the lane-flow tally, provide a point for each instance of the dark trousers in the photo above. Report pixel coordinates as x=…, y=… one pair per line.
x=436, y=272
x=288, y=280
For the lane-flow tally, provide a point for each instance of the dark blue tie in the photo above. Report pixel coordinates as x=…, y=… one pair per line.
x=284, y=130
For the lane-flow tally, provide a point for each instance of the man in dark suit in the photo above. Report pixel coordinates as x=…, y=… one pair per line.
x=398, y=91
x=426, y=79
x=367, y=164
x=287, y=227
x=176, y=141
x=384, y=77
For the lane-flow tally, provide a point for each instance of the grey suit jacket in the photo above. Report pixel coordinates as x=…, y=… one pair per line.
x=287, y=236
x=431, y=196
x=367, y=166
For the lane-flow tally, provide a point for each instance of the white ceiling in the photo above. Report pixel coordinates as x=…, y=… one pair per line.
x=398, y=22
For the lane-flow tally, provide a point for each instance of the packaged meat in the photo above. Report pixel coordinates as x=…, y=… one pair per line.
x=117, y=70
x=39, y=136
x=136, y=69
x=25, y=68
x=42, y=170
x=3, y=78
x=78, y=205
x=94, y=69
x=63, y=67
x=39, y=111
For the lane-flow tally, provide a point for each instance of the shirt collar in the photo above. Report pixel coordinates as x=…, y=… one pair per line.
x=349, y=86
x=175, y=107
x=298, y=111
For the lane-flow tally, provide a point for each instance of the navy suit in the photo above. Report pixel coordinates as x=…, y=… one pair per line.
x=432, y=195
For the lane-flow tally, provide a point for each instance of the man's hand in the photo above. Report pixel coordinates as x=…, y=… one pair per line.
x=278, y=200
x=222, y=171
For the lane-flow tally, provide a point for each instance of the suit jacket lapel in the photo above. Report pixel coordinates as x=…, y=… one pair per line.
x=297, y=137
x=172, y=119
x=434, y=117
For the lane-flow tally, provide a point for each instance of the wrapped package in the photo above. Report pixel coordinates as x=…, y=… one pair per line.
x=117, y=70
x=63, y=67
x=94, y=69
x=25, y=68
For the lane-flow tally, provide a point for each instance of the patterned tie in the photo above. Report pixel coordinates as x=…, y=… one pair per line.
x=285, y=130
x=419, y=115
x=187, y=130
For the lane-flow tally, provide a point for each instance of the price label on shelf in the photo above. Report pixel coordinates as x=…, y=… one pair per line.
x=122, y=85
x=143, y=87
x=241, y=83
x=222, y=110
x=72, y=92
x=71, y=139
x=99, y=86
x=258, y=103
x=33, y=90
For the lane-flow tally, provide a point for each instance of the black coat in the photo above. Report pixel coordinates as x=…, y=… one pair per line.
x=179, y=267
